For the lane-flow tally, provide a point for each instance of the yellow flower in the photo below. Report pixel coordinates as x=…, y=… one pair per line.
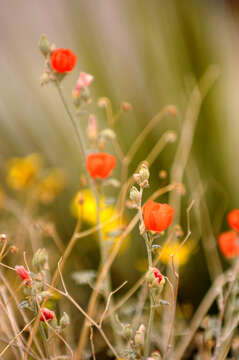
x=181, y=256
x=49, y=187
x=164, y=255
x=84, y=207
x=23, y=171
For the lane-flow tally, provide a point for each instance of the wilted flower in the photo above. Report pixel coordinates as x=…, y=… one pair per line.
x=157, y=217
x=46, y=314
x=22, y=272
x=23, y=171
x=100, y=165
x=84, y=80
x=63, y=60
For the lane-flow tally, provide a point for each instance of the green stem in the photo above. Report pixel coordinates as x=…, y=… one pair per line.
x=93, y=189
x=148, y=243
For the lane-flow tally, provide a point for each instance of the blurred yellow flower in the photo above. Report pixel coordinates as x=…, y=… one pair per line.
x=84, y=207
x=181, y=256
x=23, y=171
x=1, y=198
x=49, y=187
x=164, y=255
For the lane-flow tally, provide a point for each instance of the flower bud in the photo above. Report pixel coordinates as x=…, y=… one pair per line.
x=134, y=194
x=171, y=136
x=43, y=295
x=156, y=355
x=139, y=336
x=154, y=278
x=40, y=259
x=102, y=102
x=127, y=331
x=3, y=237
x=143, y=173
x=44, y=45
x=64, y=320
x=126, y=106
x=108, y=134
x=45, y=78
x=14, y=249
x=54, y=323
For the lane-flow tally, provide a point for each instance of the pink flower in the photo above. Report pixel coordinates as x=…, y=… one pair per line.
x=23, y=273
x=84, y=80
x=46, y=314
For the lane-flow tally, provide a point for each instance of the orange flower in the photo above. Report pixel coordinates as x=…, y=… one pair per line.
x=233, y=219
x=228, y=243
x=157, y=217
x=100, y=165
x=63, y=60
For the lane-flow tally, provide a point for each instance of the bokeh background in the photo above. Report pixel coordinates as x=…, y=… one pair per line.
x=150, y=54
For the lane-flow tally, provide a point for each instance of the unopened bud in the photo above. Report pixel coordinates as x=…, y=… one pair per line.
x=126, y=106
x=64, y=320
x=172, y=110
x=43, y=295
x=127, y=331
x=171, y=136
x=163, y=174
x=139, y=336
x=108, y=134
x=134, y=194
x=102, y=102
x=45, y=78
x=3, y=237
x=40, y=259
x=143, y=173
x=154, y=278
x=137, y=178
x=44, y=45
x=156, y=355
x=14, y=249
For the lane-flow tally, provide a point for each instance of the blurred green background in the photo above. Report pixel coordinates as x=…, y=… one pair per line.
x=150, y=54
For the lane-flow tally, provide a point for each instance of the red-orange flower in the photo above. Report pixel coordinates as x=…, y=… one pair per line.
x=233, y=219
x=63, y=60
x=100, y=165
x=157, y=217
x=229, y=244
x=46, y=314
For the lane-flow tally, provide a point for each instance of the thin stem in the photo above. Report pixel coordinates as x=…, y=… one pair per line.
x=148, y=243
